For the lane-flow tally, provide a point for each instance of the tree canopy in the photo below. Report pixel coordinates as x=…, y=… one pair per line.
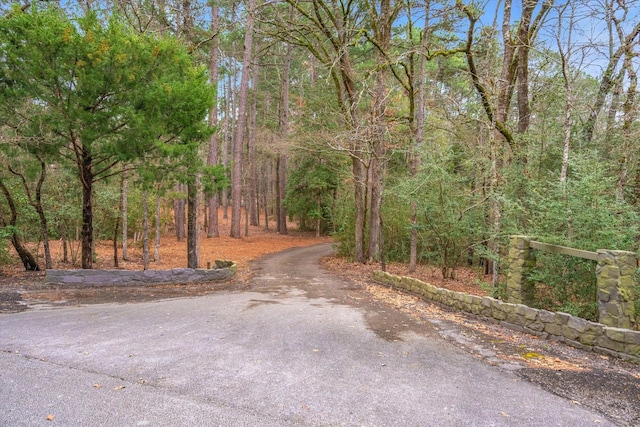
x=98, y=93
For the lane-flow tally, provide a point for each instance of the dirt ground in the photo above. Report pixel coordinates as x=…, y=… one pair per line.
x=18, y=286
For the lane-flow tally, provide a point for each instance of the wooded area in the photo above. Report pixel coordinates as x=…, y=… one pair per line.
x=426, y=132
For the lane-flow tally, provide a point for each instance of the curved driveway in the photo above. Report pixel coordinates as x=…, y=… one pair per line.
x=300, y=347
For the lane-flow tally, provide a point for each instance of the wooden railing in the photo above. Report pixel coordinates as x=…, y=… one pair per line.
x=563, y=250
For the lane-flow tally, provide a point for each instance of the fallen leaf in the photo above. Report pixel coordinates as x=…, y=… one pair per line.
x=532, y=355
x=97, y=385
x=504, y=414
x=315, y=350
x=120, y=387
x=51, y=417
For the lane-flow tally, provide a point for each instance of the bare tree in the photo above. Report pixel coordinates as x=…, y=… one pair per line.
x=236, y=167
x=252, y=129
x=281, y=170
x=628, y=40
x=565, y=61
x=417, y=103
x=513, y=77
x=212, y=154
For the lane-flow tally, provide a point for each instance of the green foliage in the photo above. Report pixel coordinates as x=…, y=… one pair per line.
x=62, y=197
x=108, y=214
x=311, y=187
x=566, y=284
x=344, y=220
x=450, y=216
x=113, y=93
x=5, y=239
x=101, y=93
x=397, y=229
x=27, y=219
x=582, y=213
x=214, y=178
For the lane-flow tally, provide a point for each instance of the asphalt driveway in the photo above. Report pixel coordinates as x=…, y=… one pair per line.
x=299, y=348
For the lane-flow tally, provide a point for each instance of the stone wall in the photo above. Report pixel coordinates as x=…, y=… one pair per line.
x=83, y=278
x=574, y=331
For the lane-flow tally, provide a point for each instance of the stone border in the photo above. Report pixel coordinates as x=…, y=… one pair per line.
x=86, y=278
x=563, y=327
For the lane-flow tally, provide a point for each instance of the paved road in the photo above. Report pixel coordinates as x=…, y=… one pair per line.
x=299, y=348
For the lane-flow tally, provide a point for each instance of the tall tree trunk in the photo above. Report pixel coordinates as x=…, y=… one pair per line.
x=524, y=44
x=284, y=131
x=236, y=171
x=418, y=115
x=124, y=200
x=360, y=189
x=43, y=218
x=265, y=200
x=508, y=71
x=252, y=200
x=212, y=154
x=282, y=193
x=156, y=246
x=228, y=139
x=116, y=232
x=565, y=58
x=629, y=117
x=192, y=240
x=178, y=213
x=87, y=209
x=276, y=187
x=377, y=186
x=65, y=241
x=495, y=215
x=199, y=218
x=145, y=231
x=382, y=30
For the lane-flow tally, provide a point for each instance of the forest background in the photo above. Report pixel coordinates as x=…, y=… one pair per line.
x=414, y=131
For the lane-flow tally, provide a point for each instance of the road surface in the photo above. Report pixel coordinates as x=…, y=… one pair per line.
x=300, y=347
